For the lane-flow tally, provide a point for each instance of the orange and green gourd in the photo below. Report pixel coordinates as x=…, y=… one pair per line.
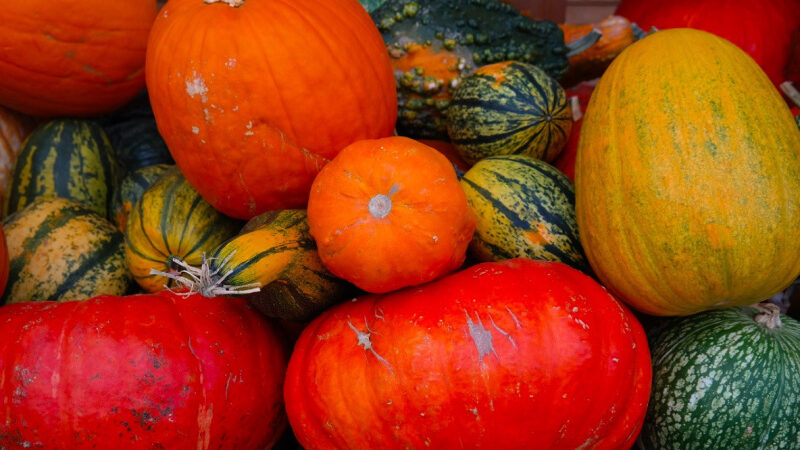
x=687, y=177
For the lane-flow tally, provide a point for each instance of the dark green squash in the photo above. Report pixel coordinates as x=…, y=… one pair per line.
x=725, y=378
x=130, y=189
x=66, y=158
x=509, y=108
x=523, y=207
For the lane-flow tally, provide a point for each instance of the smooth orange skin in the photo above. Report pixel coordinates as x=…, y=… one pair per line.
x=72, y=57
x=519, y=354
x=424, y=236
x=252, y=101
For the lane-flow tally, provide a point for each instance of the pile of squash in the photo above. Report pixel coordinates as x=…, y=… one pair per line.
x=397, y=224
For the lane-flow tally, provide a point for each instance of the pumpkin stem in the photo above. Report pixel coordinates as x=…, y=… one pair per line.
x=381, y=205
x=769, y=315
x=579, y=45
x=788, y=88
x=205, y=281
x=231, y=3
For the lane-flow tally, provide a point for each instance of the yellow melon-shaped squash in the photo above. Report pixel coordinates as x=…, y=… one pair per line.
x=687, y=177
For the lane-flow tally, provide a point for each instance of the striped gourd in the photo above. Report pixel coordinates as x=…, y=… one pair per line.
x=725, y=379
x=524, y=208
x=67, y=158
x=509, y=108
x=275, y=255
x=61, y=250
x=170, y=222
x=130, y=189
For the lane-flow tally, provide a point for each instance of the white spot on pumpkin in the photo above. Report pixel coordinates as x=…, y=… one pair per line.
x=230, y=63
x=195, y=130
x=249, y=125
x=197, y=86
x=248, y=133
x=435, y=239
x=165, y=14
x=364, y=341
x=481, y=336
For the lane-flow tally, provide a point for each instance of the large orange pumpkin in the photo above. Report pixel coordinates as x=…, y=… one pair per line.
x=687, y=177
x=72, y=57
x=253, y=97
x=390, y=213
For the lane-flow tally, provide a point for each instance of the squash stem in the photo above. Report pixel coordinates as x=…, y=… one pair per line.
x=769, y=315
x=788, y=88
x=579, y=45
x=231, y=3
x=206, y=281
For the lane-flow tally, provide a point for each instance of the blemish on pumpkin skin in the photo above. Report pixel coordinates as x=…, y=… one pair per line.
x=197, y=86
x=364, y=341
x=481, y=336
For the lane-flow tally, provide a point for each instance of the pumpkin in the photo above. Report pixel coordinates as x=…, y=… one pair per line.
x=762, y=29
x=275, y=100
x=3, y=261
x=62, y=250
x=578, y=99
x=389, y=213
x=14, y=128
x=170, y=222
x=140, y=372
x=687, y=181
x=509, y=108
x=524, y=207
x=274, y=263
x=495, y=356
x=72, y=57
x=727, y=377
x=449, y=151
x=67, y=158
x=130, y=190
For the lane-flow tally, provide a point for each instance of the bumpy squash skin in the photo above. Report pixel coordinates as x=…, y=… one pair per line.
x=495, y=356
x=509, y=108
x=433, y=44
x=67, y=158
x=721, y=378
x=524, y=208
x=140, y=372
x=171, y=221
x=688, y=177
x=276, y=250
x=61, y=250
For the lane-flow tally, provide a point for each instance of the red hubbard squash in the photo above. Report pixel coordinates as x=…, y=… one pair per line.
x=72, y=57
x=389, y=213
x=507, y=355
x=761, y=28
x=688, y=191
x=253, y=97
x=140, y=372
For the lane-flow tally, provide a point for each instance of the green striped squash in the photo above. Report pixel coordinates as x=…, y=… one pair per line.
x=61, y=250
x=66, y=158
x=524, y=207
x=131, y=188
x=170, y=222
x=509, y=108
x=726, y=378
x=276, y=255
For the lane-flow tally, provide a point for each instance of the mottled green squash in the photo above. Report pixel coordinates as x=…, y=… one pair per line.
x=131, y=188
x=171, y=222
x=509, y=108
x=66, y=158
x=61, y=250
x=725, y=379
x=524, y=208
x=371, y=5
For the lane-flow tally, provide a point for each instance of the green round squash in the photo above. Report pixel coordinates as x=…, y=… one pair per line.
x=61, y=250
x=131, y=188
x=524, y=207
x=509, y=108
x=727, y=378
x=66, y=158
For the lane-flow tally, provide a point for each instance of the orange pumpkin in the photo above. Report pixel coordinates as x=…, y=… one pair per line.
x=14, y=128
x=72, y=57
x=253, y=97
x=389, y=213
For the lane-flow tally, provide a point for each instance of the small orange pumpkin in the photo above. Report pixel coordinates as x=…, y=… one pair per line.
x=389, y=213
x=253, y=97
x=72, y=57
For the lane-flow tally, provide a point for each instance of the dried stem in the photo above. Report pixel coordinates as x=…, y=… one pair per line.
x=205, y=281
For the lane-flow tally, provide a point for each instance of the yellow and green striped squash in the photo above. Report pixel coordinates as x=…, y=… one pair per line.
x=171, y=221
x=66, y=158
x=276, y=251
x=131, y=188
x=524, y=207
x=61, y=250
x=509, y=108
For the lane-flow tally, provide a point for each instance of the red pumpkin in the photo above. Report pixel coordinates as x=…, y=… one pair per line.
x=145, y=371
x=4, y=261
x=72, y=57
x=389, y=213
x=566, y=159
x=760, y=28
x=253, y=97
x=516, y=354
